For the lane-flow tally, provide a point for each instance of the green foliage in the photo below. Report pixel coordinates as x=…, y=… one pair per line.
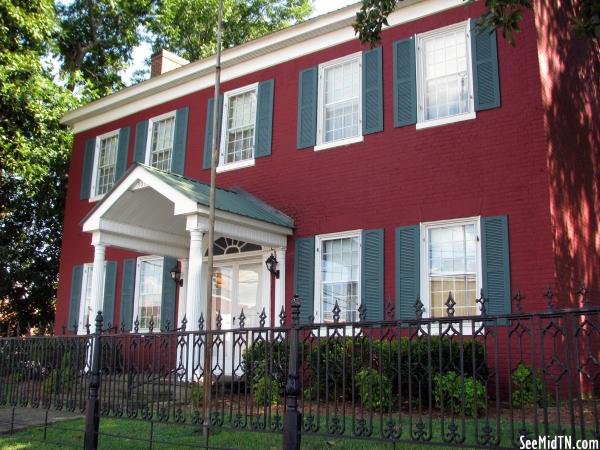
x=266, y=359
x=505, y=15
x=266, y=390
x=375, y=389
x=454, y=392
x=62, y=377
x=527, y=387
x=188, y=27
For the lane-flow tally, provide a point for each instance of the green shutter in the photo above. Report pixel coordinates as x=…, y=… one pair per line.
x=407, y=271
x=209, y=128
x=127, y=293
x=405, y=83
x=75, y=301
x=495, y=262
x=486, y=82
x=141, y=136
x=122, y=153
x=110, y=286
x=264, y=118
x=372, y=91
x=307, y=107
x=304, y=276
x=372, y=273
x=180, y=141
x=88, y=167
x=169, y=293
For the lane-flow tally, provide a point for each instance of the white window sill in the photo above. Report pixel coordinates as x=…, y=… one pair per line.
x=446, y=120
x=339, y=143
x=96, y=198
x=235, y=166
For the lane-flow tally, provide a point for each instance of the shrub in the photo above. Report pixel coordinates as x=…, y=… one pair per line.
x=266, y=391
x=524, y=394
x=264, y=358
x=448, y=392
x=62, y=377
x=375, y=389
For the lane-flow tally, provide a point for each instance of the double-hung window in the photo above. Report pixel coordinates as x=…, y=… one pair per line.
x=444, y=76
x=85, y=306
x=451, y=256
x=338, y=260
x=148, y=295
x=239, y=129
x=105, y=162
x=339, y=113
x=160, y=143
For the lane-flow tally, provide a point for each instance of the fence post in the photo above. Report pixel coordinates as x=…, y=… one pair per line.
x=293, y=418
x=92, y=412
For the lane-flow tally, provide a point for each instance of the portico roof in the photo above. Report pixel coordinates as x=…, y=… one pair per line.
x=150, y=210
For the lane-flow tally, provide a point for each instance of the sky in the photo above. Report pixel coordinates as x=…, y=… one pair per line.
x=143, y=51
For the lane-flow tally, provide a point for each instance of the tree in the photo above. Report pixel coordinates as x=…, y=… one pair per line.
x=95, y=41
x=34, y=150
x=504, y=15
x=188, y=27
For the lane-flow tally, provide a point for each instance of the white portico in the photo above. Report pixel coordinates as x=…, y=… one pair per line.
x=158, y=213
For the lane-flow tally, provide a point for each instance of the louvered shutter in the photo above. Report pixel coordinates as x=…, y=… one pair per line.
x=122, y=153
x=209, y=129
x=141, y=137
x=179, y=141
x=304, y=276
x=87, y=169
x=372, y=271
x=264, y=118
x=407, y=271
x=372, y=91
x=127, y=293
x=307, y=107
x=110, y=286
x=405, y=83
x=496, y=265
x=169, y=292
x=486, y=81
x=75, y=298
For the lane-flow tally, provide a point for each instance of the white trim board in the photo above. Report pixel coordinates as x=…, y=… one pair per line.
x=291, y=43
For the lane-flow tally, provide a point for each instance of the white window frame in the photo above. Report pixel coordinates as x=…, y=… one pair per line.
x=168, y=115
x=93, y=196
x=222, y=166
x=425, y=294
x=421, y=122
x=321, y=103
x=136, y=301
x=317, y=297
x=87, y=268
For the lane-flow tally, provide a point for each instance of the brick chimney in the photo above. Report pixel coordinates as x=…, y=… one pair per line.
x=164, y=61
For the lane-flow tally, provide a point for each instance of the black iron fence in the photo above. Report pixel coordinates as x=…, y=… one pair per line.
x=482, y=381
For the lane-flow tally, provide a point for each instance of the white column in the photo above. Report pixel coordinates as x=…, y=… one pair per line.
x=97, y=283
x=181, y=307
x=193, y=302
x=280, y=284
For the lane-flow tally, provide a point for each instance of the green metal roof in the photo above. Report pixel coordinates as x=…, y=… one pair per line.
x=230, y=200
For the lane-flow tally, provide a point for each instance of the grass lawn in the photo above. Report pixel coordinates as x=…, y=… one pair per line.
x=118, y=433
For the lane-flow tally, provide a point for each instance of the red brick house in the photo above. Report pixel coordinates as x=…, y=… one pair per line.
x=443, y=160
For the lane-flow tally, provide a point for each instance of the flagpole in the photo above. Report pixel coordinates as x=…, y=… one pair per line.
x=211, y=223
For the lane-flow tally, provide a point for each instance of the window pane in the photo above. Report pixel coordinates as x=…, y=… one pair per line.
x=452, y=264
x=150, y=292
x=161, y=147
x=239, y=136
x=107, y=157
x=248, y=288
x=341, y=101
x=340, y=259
x=445, y=74
x=87, y=299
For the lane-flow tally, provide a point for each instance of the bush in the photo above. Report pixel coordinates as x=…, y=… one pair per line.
x=448, y=392
x=266, y=391
x=63, y=377
x=523, y=379
x=375, y=389
x=266, y=359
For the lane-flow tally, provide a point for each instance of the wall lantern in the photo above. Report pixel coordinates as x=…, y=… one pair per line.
x=176, y=275
x=272, y=264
